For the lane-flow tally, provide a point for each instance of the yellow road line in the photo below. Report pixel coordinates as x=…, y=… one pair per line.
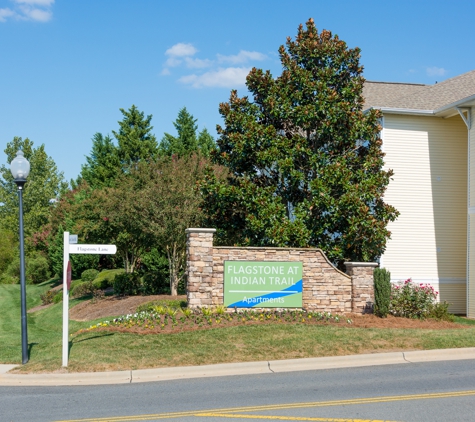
x=278, y=406
x=287, y=418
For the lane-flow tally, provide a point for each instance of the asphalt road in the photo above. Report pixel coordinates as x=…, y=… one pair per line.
x=435, y=391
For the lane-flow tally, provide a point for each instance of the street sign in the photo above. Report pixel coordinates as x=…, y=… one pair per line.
x=93, y=249
x=69, y=275
x=70, y=246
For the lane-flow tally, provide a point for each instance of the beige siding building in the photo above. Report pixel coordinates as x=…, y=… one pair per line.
x=429, y=142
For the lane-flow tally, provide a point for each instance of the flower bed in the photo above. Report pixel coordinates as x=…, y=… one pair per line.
x=166, y=319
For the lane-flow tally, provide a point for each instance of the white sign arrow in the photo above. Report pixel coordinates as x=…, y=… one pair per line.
x=93, y=249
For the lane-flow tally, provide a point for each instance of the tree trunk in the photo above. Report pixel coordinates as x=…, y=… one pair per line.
x=129, y=262
x=174, y=265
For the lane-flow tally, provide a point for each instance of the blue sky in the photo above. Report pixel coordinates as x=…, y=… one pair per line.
x=68, y=66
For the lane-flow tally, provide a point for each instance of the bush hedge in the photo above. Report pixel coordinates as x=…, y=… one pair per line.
x=105, y=278
x=89, y=275
x=382, y=292
x=128, y=284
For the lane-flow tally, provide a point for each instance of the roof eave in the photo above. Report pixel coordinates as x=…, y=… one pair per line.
x=467, y=101
x=392, y=110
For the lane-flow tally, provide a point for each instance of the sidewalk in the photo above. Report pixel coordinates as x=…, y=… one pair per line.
x=229, y=369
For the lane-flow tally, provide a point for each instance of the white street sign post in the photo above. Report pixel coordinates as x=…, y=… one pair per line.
x=70, y=246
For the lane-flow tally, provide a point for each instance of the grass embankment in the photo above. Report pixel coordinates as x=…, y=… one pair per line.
x=103, y=350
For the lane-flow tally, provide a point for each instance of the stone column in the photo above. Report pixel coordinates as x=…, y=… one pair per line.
x=199, y=266
x=362, y=286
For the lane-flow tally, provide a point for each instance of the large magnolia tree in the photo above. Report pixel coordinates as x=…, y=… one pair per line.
x=306, y=166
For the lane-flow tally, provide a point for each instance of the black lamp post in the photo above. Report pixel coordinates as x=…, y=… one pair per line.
x=20, y=168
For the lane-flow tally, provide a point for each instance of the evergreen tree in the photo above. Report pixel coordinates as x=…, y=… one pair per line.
x=206, y=143
x=306, y=163
x=103, y=165
x=44, y=185
x=187, y=141
x=8, y=249
x=135, y=140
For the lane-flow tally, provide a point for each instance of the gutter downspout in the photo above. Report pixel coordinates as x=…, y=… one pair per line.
x=468, y=122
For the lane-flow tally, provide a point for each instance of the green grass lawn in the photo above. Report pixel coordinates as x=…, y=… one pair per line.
x=104, y=350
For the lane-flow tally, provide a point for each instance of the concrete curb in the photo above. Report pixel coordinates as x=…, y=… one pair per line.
x=230, y=369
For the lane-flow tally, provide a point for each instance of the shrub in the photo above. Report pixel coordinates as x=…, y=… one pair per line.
x=98, y=295
x=382, y=292
x=412, y=300
x=155, y=284
x=440, y=311
x=58, y=297
x=89, y=275
x=127, y=284
x=172, y=303
x=106, y=278
x=47, y=297
x=74, y=285
x=8, y=279
x=37, y=269
x=12, y=273
x=85, y=288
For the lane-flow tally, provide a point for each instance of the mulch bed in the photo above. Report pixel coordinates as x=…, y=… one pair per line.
x=117, y=306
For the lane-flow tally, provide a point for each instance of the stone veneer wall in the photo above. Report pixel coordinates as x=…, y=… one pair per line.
x=325, y=288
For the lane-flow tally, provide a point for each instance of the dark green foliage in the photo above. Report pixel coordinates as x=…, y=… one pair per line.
x=156, y=273
x=440, y=311
x=74, y=285
x=305, y=161
x=382, y=292
x=103, y=165
x=79, y=289
x=43, y=184
x=187, y=141
x=8, y=249
x=206, y=143
x=106, y=278
x=89, y=275
x=37, y=269
x=127, y=284
x=55, y=252
x=83, y=288
x=151, y=205
x=12, y=274
x=135, y=140
x=155, y=284
x=79, y=262
x=58, y=297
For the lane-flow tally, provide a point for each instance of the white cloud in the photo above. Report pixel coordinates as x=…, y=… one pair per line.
x=198, y=63
x=29, y=10
x=436, y=71
x=229, y=77
x=242, y=57
x=40, y=15
x=6, y=13
x=173, y=62
x=181, y=50
x=36, y=2
x=177, y=53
